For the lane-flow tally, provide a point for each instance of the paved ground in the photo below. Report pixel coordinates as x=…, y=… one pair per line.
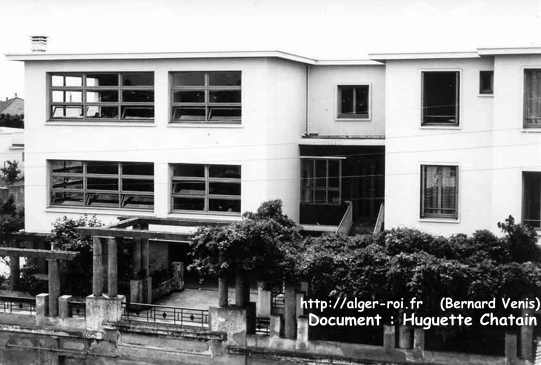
x=201, y=298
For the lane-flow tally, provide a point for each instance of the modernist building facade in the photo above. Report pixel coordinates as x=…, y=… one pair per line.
x=446, y=142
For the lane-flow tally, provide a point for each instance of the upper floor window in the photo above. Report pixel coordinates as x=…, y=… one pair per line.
x=439, y=191
x=321, y=180
x=206, y=188
x=532, y=98
x=353, y=101
x=104, y=96
x=486, y=82
x=531, y=199
x=102, y=184
x=440, y=97
x=206, y=97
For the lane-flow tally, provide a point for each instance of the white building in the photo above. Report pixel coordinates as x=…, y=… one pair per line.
x=447, y=141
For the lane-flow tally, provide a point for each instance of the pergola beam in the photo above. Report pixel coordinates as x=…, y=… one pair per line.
x=133, y=233
x=34, y=252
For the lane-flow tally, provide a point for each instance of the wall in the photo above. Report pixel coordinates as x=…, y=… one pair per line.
x=323, y=100
x=265, y=144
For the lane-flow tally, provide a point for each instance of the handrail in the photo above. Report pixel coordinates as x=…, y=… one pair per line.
x=166, y=314
x=379, y=221
x=347, y=220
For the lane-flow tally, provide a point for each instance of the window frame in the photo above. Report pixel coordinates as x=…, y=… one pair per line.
x=432, y=216
x=84, y=175
x=313, y=178
x=206, y=196
x=458, y=94
x=523, y=199
x=119, y=88
x=339, y=116
x=206, y=104
x=525, y=124
x=486, y=93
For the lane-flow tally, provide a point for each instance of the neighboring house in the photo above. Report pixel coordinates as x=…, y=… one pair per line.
x=12, y=112
x=11, y=132
x=449, y=142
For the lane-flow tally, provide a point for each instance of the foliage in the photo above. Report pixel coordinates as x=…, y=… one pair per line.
x=10, y=172
x=521, y=241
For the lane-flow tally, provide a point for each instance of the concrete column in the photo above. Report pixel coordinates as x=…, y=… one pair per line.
x=136, y=258
x=302, y=333
x=223, y=292
x=290, y=309
x=419, y=339
x=97, y=267
x=275, y=326
x=404, y=337
x=112, y=266
x=388, y=338
x=300, y=299
x=14, y=272
x=526, y=338
x=145, y=248
x=54, y=287
x=510, y=348
x=63, y=306
x=242, y=289
x=264, y=300
x=42, y=307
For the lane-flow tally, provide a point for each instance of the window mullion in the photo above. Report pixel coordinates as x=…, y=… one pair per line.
x=85, y=184
x=207, y=190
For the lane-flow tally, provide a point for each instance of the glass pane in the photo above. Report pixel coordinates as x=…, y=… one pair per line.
x=66, y=198
x=58, y=96
x=321, y=173
x=74, y=81
x=189, y=96
x=307, y=174
x=346, y=99
x=102, y=80
x=320, y=196
x=72, y=167
x=224, y=205
x=57, y=80
x=224, y=188
x=188, y=203
x=100, y=183
x=225, y=78
x=361, y=100
x=486, y=79
x=440, y=91
x=138, y=79
x=189, y=78
x=334, y=197
x=188, y=113
x=102, y=96
x=73, y=96
x=224, y=96
x=189, y=170
x=73, y=112
x=137, y=201
x=95, y=111
x=439, y=190
x=532, y=98
x=137, y=112
x=189, y=188
x=67, y=182
x=334, y=173
x=224, y=171
x=102, y=200
x=532, y=199
x=137, y=185
x=102, y=167
x=137, y=168
x=220, y=113
x=138, y=96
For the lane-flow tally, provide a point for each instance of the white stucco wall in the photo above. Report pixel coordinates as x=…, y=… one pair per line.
x=265, y=144
x=323, y=100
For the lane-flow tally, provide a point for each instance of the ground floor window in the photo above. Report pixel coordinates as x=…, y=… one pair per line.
x=531, y=199
x=321, y=180
x=439, y=191
x=206, y=188
x=126, y=185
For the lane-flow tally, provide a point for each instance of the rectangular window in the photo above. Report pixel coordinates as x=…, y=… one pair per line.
x=440, y=97
x=206, y=188
x=321, y=181
x=532, y=98
x=126, y=96
x=486, y=82
x=439, y=191
x=353, y=101
x=125, y=185
x=206, y=97
x=531, y=199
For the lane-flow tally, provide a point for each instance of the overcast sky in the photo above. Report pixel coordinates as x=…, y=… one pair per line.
x=334, y=29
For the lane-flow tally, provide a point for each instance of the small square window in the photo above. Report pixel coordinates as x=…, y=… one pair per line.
x=353, y=101
x=486, y=82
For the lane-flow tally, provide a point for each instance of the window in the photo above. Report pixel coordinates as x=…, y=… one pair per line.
x=486, y=82
x=532, y=98
x=440, y=105
x=531, y=199
x=206, y=97
x=126, y=185
x=353, y=101
x=439, y=191
x=321, y=180
x=102, y=96
x=206, y=188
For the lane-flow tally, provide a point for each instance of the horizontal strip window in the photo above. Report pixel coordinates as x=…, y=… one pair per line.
x=119, y=96
x=206, y=97
x=206, y=188
x=102, y=184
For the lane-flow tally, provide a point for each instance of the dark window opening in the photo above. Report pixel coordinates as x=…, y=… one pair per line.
x=532, y=98
x=353, y=101
x=531, y=199
x=440, y=99
x=486, y=82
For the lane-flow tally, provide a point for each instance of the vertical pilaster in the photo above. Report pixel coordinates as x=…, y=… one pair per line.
x=97, y=267
x=112, y=266
x=54, y=287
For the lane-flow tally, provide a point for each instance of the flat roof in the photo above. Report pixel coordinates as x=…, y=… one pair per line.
x=46, y=56
x=422, y=55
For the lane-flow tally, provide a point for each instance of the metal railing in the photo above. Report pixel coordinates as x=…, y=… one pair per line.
x=262, y=326
x=77, y=308
x=10, y=304
x=165, y=314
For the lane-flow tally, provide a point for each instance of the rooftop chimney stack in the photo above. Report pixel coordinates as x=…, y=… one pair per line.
x=39, y=43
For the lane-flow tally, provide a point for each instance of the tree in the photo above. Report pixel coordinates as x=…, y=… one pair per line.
x=10, y=172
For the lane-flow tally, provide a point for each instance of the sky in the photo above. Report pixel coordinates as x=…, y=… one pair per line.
x=325, y=29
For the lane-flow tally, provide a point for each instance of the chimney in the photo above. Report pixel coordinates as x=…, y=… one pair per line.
x=39, y=43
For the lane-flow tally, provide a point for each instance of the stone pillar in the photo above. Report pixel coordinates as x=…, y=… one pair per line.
x=242, y=289
x=290, y=308
x=42, y=308
x=275, y=325
x=112, y=266
x=136, y=258
x=299, y=299
x=404, y=337
x=526, y=338
x=54, y=287
x=223, y=292
x=63, y=306
x=302, y=333
x=14, y=272
x=418, y=339
x=102, y=309
x=147, y=279
x=97, y=267
x=510, y=348
x=388, y=338
x=264, y=300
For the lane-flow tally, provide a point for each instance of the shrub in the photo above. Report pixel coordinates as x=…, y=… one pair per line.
x=521, y=241
x=10, y=172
